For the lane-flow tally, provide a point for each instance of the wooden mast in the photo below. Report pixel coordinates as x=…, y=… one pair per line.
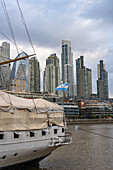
x=16, y=59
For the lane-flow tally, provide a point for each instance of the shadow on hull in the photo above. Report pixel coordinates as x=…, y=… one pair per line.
x=25, y=165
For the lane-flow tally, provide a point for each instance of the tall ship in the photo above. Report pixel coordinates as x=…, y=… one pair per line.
x=29, y=129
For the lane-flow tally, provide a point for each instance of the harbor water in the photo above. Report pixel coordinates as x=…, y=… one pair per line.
x=92, y=149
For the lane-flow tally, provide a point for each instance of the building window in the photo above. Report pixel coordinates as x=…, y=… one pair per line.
x=20, y=88
x=11, y=88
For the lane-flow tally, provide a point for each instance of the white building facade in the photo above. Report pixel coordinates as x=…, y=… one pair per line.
x=51, y=77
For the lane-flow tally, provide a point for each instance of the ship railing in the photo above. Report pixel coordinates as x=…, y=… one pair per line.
x=66, y=139
x=61, y=140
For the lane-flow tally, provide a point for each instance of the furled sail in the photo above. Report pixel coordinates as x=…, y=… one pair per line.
x=26, y=114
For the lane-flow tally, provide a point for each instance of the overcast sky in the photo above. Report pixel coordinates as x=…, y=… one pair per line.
x=88, y=24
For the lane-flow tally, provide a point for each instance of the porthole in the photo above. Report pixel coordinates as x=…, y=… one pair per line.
x=1, y=136
x=62, y=130
x=35, y=150
x=43, y=133
x=16, y=135
x=32, y=134
x=55, y=131
x=15, y=154
x=3, y=157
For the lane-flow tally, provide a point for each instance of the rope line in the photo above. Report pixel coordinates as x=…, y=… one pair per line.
x=105, y=136
x=29, y=38
x=24, y=23
x=10, y=27
x=11, y=41
x=9, y=22
x=11, y=30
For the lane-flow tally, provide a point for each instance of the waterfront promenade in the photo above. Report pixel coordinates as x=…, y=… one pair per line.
x=88, y=121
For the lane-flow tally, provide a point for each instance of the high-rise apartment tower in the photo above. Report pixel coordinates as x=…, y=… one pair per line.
x=4, y=69
x=102, y=82
x=51, y=77
x=83, y=78
x=34, y=74
x=67, y=66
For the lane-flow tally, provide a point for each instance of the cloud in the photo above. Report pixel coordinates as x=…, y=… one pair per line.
x=51, y=21
x=100, y=9
x=88, y=24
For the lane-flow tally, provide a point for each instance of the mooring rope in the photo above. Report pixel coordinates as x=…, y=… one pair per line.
x=105, y=136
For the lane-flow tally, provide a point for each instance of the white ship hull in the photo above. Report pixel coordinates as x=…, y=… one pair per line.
x=18, y=147
x=29, y=129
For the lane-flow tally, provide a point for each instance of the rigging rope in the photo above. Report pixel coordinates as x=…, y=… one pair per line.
x=105, y=136
x=11, y=41
x=24, y=23
x=10, y=27
x=11, y=30
x=9, y=23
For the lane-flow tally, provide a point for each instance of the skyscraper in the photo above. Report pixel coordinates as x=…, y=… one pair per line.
x=67, y=66
x=79, y=64
x=102, y=82
x=19, y=78
x=4, y=69
x=34, y=75
x=51, y=77
x=83, y=78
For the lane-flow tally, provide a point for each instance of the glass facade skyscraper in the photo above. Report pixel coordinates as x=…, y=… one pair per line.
x=34, y=75
x=19, y=77
x=102, y=82
x=67, y=66
x=83, y=78
x=79, y=64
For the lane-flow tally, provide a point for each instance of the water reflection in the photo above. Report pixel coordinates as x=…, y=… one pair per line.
x=36, y=168
x=87, y=152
